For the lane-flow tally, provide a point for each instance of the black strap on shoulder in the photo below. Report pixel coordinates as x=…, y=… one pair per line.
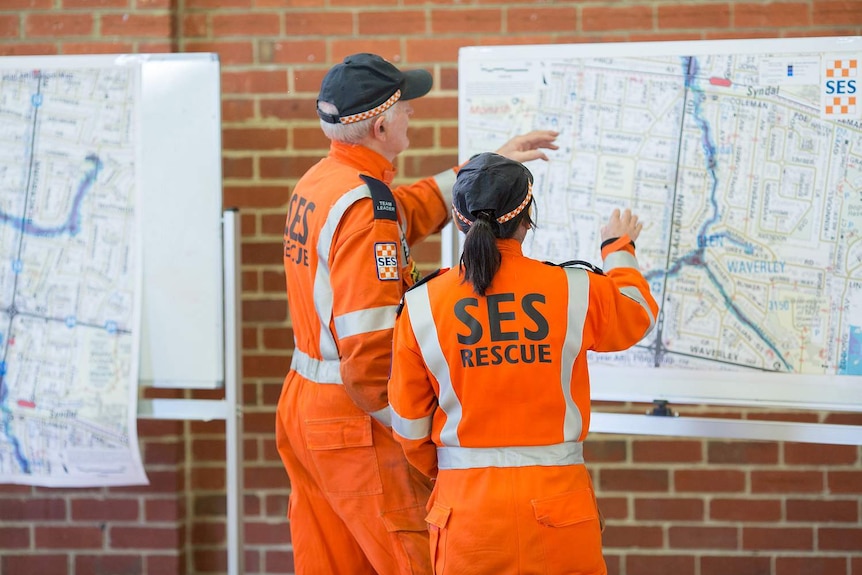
x=381, y=195
x=578, y=264
x=425, y=279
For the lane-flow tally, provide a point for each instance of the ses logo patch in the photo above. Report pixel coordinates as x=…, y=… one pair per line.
x=386, y=258
x=839, y=98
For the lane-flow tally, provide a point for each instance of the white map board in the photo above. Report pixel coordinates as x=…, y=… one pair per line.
x=744, y=158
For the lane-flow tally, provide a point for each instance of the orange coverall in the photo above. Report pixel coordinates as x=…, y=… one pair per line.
x=356, y=506
x=491, y=396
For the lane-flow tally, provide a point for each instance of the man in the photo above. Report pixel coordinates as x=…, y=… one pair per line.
x=356, y=505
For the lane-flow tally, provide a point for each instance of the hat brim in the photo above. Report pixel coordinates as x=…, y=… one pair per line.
x=416, y=84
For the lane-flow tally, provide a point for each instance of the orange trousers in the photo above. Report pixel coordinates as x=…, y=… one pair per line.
x=356, y=507
x=515, y=521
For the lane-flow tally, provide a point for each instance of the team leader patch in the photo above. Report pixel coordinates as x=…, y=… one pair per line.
x=386, y=257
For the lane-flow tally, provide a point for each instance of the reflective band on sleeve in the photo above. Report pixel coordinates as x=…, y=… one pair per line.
x=578, y=281
x=620, y=259
x=322, y=283
x=425, y=332
x=384, y=416
x=411, y=428
x=365, y=321
x=635, y=294
x=316, y=370
x=446, y=181
x=568, y=453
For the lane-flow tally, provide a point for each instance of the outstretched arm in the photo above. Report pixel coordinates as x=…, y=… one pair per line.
x=529, y=146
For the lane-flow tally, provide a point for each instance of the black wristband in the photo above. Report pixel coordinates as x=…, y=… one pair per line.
x=612, y=240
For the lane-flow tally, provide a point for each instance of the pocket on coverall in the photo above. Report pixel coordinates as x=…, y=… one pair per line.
x=343, y=453
x=437, y=518
x=569, y=531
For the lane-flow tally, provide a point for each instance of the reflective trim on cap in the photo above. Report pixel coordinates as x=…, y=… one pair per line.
x=373, y=112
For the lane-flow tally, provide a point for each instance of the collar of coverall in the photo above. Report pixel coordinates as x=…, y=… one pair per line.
x=363, y=159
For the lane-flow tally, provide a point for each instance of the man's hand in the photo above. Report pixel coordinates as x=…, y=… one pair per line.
x=621, y=224
x=529, y=146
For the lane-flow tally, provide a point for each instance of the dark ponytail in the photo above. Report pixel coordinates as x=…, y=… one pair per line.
x=480, y=258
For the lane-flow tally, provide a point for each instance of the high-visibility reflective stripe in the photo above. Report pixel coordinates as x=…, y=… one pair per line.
x=578, y=282
x=365, y=321
x=411, y=428
x=384, y=416
x=425, y=332
x=635, y=294
x=316, y=370
x=322, y=285
x=568, y=453
x=446, y=181
x=620, y=259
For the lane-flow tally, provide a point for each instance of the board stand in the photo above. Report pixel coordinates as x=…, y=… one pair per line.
x=228, y=409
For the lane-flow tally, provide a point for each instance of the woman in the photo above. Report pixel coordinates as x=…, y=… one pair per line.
x=489, y=386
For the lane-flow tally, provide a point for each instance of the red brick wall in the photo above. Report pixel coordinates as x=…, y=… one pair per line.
x=681, y=506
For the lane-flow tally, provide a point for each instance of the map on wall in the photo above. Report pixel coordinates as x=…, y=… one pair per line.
x=69, y=275
x=742, y=158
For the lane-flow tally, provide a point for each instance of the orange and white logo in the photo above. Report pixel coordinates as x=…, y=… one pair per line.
x=839, y=97
x=386, y=258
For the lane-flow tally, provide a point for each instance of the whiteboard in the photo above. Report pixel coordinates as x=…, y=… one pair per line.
x=180, y=212
x=508, y=90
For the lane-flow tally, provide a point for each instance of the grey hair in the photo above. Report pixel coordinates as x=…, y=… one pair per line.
x=353, y=133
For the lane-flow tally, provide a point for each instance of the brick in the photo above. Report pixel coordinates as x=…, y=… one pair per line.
x=136, y=25
x=156, y=453
x=256, y=197
x=113, y=564
x=786, y=481
x=810, y=566
x=208, y=533
x=839, y=539
x=290, y=166
x=236, y=168
x=771, y=15
x=209, y=450
x=113, y=509
x=14, y=537
x=292, y=51
x=230, y=53
x=258, y=422
x=601, y=450
x=9, y=26
x=276, y=505
x=210, y=505
x=195, y=25
x=434, y=108
x=776, y=538
x=236, y=110
x=275, y=367
x=254, y=139
x=668, y=509
x=631, y=536
x=165, y=509
x=695, y=537
x=841, y=12
x=464, y=21
x=265, y=310
x=273, y=225
x=724, y=565
x=816, y=454
x=149, y=537
x=279, y=561
x=246, y=24
x=390, y=22
x=254, y=82
x=97, y=48
x=262, y=253
x=633, y=479
x=28, y=4
x=329, y=23
x=613, y=507
x=654, y=564
x=302, y=138
x=68, y=537
x=540, y=18
x=844, y=481
x=280, y=338
x=424, y=165
x=649, y=451
x=33, y=509
x=159, y=428
x=265, y=477
x=40, y=563
x=697, y=16
x=707, y=480
x=267, y=533
x=820, y=511
x=388, y=48
x=29, y=49
x=58, y=25
x=742, y=452
x=292, y=109
x=753, y=510
x=423, y=50
x=217, y=4
x=617, y=18
x=166, y=563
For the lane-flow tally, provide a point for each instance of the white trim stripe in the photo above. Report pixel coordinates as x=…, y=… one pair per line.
x=620, y=259
x=568, y=453
x=413, y=429
x=425, y=332
x=384, y=416
x=365, y=321
x=578, y=283
x=316, y=370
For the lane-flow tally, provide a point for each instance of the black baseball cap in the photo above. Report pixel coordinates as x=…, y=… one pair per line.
x=363, y=84
x=493, y=183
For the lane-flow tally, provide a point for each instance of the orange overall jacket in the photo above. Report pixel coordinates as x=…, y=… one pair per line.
x=491, y=396
x=356, y=505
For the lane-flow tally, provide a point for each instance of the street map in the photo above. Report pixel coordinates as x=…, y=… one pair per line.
x=69, y=275
x=744, y=165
